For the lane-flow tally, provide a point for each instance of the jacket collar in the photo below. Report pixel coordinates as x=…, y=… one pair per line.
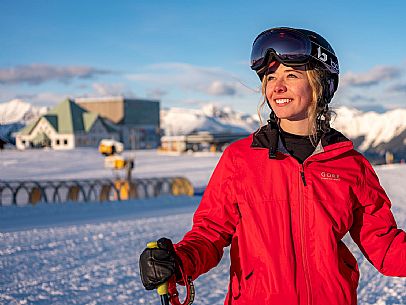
x=268, y=137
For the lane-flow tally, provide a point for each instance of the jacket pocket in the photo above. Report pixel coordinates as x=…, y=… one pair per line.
x=235, y=286
x=354, y=273
x=237, y=282
x=349, y=265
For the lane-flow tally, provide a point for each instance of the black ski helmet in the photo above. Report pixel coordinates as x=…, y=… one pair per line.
x=333, y=75
x=291, y=47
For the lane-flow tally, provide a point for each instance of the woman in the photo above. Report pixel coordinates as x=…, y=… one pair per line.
x=285, y=196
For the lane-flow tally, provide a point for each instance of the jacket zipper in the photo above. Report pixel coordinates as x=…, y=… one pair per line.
x=303, y=177
x=302, y=174
x=303, y=246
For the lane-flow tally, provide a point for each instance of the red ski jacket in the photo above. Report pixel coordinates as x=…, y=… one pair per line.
x=285, y=222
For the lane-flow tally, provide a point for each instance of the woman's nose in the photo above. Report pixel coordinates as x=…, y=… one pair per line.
x=280, y=87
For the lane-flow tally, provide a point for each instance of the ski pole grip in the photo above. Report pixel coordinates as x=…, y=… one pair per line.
x=163, y=288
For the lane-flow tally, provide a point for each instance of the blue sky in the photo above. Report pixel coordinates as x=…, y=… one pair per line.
x=189, y=53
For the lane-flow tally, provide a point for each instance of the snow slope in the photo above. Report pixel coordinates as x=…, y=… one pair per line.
x=88, y=253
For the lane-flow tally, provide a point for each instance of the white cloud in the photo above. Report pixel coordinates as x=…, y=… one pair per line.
x=207, y=80
x=156, y=93
x=35, y=74
x=399, y=88
x=102, y=89
x=378, y=87
x=42, y=98
x=221, y=88
x=374, y=76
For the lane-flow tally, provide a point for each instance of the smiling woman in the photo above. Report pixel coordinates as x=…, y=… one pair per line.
x=285, y=196
x=309, y=78
x=289, y=94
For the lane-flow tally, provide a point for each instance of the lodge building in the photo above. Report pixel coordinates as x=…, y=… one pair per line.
x=84, y=122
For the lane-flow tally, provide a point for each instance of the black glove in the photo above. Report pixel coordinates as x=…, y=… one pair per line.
x=157, y=265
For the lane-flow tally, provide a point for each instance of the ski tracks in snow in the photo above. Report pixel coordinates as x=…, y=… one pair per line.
x=85, y=264
x=98, y=264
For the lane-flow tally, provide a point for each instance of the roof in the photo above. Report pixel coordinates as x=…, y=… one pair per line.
x=88, y=120
x=68, y=117
x=27, y=129
x=52, y=119
x=109, y=125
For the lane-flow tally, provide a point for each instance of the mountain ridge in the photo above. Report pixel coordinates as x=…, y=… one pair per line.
x=371, y=132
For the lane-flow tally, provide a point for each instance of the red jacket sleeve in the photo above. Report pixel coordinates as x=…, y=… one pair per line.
x=214, y=222
x=374, y=228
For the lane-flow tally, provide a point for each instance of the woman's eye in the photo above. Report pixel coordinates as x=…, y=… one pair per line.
x=270, y=77
x=291, y=75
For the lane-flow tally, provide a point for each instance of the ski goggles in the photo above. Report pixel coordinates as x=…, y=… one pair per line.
x=291, y=48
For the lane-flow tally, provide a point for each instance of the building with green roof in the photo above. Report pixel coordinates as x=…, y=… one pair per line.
x=138, y=119
x=65, y=127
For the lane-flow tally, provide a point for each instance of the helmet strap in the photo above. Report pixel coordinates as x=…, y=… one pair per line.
x=273, y=132
x=322, y=124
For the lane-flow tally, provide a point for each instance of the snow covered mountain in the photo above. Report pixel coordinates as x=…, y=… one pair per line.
x=18, y=111
x=14, y=115
x=376, y=128
x=372, y=133
x=211, y=118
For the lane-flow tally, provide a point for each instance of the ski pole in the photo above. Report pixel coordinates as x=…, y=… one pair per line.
x=163, y=288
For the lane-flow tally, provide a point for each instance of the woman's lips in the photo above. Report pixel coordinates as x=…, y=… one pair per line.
x=282, y=101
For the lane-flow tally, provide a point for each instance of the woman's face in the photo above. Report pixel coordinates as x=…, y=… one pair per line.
x=289, y=93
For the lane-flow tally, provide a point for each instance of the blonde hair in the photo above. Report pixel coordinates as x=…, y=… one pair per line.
x=317, y=110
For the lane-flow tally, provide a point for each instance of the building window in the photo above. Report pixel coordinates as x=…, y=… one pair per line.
x=23, y=142
x=58, y=142
x=65, y=141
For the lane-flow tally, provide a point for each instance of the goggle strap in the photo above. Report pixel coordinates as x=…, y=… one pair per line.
x=325, y=56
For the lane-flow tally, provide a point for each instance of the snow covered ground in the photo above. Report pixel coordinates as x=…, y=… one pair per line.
x=87, y=163
x=88, y=253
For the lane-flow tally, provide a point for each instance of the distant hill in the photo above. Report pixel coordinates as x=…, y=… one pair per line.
x=18, y=111
x=210, y=118
x=373, y=133
x=14, y=115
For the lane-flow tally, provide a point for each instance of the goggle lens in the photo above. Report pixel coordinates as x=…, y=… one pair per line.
x=289, y=46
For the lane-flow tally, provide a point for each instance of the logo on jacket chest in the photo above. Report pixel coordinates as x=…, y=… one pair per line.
x=329, y=176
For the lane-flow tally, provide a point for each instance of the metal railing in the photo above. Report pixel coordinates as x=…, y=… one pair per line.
x=86, y=190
